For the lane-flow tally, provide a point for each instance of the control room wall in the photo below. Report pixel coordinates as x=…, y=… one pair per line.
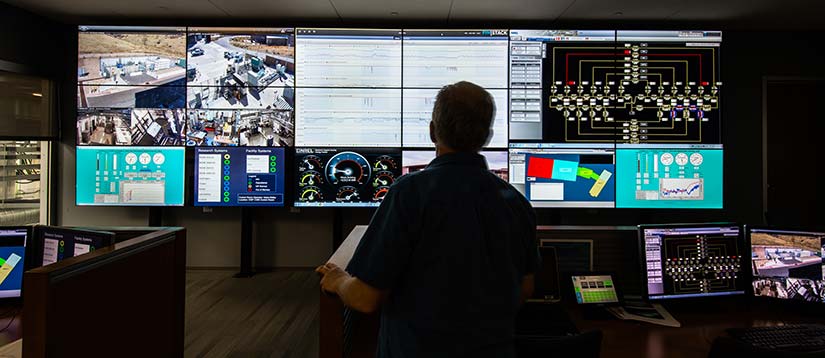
x=303, y=238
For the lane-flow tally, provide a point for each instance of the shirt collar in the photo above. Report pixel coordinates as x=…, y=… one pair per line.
x=459, y=158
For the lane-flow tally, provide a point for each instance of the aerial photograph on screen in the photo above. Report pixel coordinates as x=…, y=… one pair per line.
x=269, y=127
x=785, y=255
x=114, y=67
x=158, y=126
x=241, y=68
x=104, y=127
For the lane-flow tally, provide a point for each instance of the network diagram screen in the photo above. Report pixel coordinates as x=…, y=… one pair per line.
x=345, y=177
x=12, y=260
x=239, y=176
x=651, y=96
x=788, y=264
x=698, y=261
x=130, y=176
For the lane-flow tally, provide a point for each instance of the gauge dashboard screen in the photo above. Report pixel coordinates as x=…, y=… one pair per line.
x=344, y=177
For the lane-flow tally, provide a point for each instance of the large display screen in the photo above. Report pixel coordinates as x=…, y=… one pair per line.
x=239, y=176
x=130, y=176
x=626, y=119
x=788, y=264
x=590, y=118
x=345, y=177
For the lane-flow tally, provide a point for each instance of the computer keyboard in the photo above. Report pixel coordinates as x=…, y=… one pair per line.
x=795, y=337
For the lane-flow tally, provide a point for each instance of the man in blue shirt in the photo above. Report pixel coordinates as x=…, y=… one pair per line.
x=450, y=254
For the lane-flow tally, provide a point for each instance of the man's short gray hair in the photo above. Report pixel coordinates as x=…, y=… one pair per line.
x=463, y=116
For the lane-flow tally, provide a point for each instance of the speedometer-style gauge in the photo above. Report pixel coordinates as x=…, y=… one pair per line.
x=383, y=179
x=311, y=194
x=347, y=194
x=384, y=162
x=310, y=178
x=380, y=193
x=348, y=168
x=310, y=162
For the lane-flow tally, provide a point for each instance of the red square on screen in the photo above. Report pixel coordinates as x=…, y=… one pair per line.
x=538, y=167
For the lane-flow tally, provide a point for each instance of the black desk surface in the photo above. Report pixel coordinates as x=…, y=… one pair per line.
x=702, y=322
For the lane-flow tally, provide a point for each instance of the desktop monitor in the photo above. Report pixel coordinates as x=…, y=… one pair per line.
x=130, y=176
x=13, y=241
x=787, y=264
x=57, y=243
x=239, y=176
x=692, y=260
x=345, y=177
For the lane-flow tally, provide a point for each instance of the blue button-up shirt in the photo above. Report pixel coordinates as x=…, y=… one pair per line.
x=451, y=243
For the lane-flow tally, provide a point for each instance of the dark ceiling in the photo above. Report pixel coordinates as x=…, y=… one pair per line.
x=739, y=14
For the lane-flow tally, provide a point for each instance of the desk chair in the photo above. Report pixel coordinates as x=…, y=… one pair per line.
x=583, y=345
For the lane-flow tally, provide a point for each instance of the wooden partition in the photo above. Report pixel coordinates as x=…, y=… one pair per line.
x=126, y=300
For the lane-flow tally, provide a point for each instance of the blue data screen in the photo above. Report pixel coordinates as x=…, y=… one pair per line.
x=130, y=176
x=239, y=176
x=669, y=178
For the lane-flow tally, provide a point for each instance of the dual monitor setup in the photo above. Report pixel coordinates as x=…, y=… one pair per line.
x=27, y=247
x=332, y=117
x=720, y=259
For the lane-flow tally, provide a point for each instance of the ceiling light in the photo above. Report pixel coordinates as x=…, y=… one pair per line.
x=37, y=94
x=618, y=13
x=394, y=13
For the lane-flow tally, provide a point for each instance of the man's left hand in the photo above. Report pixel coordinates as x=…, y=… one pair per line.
x=331, y=277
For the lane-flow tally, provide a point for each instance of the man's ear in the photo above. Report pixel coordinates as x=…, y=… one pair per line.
x=432, y=132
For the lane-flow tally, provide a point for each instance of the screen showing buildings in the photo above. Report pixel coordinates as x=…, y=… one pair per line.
x=130, y=176
x=62, y=243
x=12, y=260
x=239, y=176
x=345, y=177
x=788, y=264
x=696, y=261
x=642, y=94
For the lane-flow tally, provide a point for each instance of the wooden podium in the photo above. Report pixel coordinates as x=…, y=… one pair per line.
x=343, y=332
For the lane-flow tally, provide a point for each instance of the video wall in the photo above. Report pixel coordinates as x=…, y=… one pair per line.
x=584, y=119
